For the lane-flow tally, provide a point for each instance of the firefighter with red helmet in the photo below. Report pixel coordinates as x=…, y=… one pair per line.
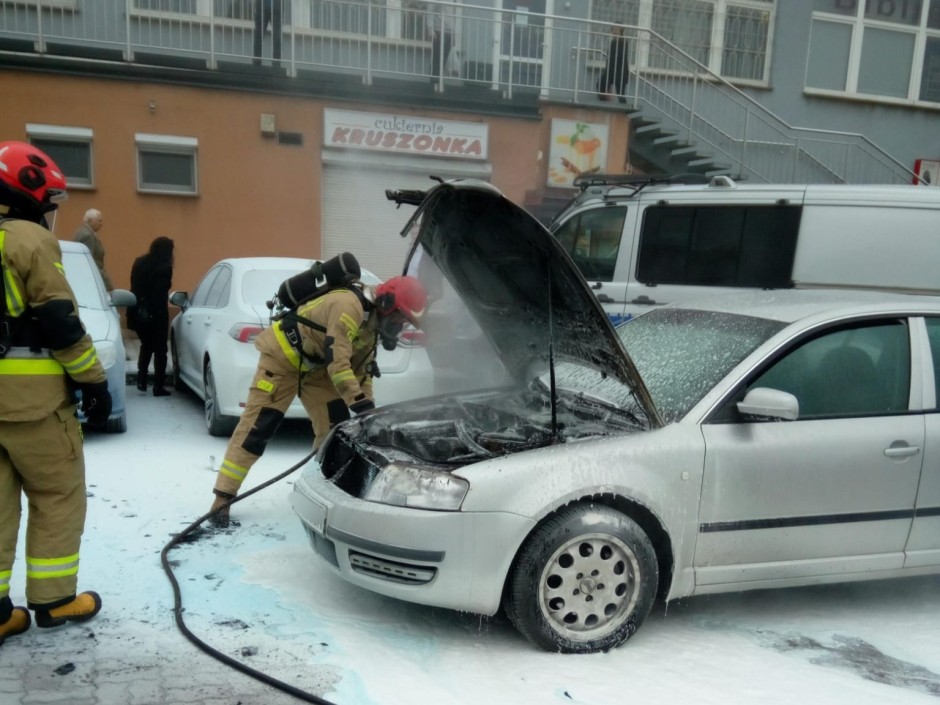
x=44, y=355
x=326, y=355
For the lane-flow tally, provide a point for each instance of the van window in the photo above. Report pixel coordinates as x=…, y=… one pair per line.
x=592, y=238
x=746, y=246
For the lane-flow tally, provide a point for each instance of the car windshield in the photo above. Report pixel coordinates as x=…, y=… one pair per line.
x=681, y=354
x=260, y=285
x=85, y=281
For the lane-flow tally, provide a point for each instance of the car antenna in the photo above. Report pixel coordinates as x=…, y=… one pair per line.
x=551, y=355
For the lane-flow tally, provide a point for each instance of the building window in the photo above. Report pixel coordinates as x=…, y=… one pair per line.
x=730, y=37
x=930, y=75
x=399, y=19
x=747, y=30
x=70, y=149
x=166, y=164
x=186, y=7
x=876, y=48
x=687, y=24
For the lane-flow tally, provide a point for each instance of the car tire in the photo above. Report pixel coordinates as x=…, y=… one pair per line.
x=178, y=384
x=584, y=581
x=216, y=423
x=117, y=425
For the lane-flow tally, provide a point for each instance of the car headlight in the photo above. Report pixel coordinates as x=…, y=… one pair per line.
x=107, y=353
x=418, y=487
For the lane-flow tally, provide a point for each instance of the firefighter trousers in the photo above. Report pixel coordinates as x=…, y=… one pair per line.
x=271, y=393
x=44, y=460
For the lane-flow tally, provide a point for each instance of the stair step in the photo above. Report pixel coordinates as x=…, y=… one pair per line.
x=638, y=119
x=704, y=159
x=669, y=137
x=648, y=127
x=717, y=169
x=686, y=151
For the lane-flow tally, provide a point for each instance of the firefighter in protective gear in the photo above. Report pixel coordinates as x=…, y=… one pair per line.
x=329, y=364
x=44, y=354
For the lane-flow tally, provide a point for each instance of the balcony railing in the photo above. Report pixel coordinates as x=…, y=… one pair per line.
x=509, y=52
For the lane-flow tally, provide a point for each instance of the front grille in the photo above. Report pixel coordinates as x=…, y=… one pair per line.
x=322, y=546
x=390, y=570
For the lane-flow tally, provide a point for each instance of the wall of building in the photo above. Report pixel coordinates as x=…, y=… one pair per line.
x=256, y=196
x=906, y=133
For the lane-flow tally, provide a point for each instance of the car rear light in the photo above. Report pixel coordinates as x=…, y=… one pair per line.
x=245, y=332
x=412, y=338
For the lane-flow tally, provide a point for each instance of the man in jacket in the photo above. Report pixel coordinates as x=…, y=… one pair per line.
x=87, y=234
x=617, y=71
x=43, y=350
x=326, y=355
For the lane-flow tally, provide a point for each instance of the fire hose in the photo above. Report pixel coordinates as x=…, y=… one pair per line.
x=178, y=600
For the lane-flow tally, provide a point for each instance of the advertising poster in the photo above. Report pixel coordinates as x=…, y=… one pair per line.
x=576, y=148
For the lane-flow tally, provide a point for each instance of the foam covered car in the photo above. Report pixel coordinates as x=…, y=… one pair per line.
x=760, y=440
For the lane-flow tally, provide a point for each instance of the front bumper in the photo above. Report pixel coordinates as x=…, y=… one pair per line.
x=457, y=560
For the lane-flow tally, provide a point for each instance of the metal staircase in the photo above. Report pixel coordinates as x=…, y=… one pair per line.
x=687, y=119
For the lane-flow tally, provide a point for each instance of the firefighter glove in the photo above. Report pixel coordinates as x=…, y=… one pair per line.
x=96, y=403
x=361, y=405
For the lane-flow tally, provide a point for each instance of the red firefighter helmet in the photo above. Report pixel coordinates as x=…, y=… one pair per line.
x=30, y=182
x=404, y=295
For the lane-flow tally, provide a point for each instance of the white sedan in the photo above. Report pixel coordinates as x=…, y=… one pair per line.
x=212, y=340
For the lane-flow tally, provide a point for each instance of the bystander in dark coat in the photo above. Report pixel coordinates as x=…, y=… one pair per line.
x=151, y=278
x=616, y=73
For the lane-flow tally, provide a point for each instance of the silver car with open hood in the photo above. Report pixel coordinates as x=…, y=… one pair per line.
x=571, y=483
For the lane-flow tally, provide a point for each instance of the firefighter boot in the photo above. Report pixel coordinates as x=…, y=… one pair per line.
x=220, y=518
x=13, y=620
x=80, y=608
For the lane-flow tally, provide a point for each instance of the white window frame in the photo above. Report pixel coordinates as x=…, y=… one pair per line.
x=76, y=135
x=859, y=23
x=717, y=42
x=166, y=144
x=71, y=5
x=300, y=19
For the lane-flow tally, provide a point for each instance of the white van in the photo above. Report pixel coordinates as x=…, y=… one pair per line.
x=645, y=242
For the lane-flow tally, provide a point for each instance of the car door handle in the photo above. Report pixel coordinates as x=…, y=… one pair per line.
x=901, y=451
x=604, y=299
x=596, y=285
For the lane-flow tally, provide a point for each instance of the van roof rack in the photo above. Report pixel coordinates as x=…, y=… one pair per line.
x=585, y=181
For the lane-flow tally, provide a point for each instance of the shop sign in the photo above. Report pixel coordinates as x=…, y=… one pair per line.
x=404, y=134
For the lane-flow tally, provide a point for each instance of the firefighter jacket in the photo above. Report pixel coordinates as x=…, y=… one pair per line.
x=345, y=348
x=49, y=348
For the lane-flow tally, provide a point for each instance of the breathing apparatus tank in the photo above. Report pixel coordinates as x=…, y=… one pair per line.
x=339, y=271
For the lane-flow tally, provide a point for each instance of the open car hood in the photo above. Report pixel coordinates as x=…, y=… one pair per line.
x=517, y=282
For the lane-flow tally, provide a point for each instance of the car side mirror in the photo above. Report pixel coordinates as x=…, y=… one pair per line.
x=180, y=299
x=122, y=298
x=770, y=404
